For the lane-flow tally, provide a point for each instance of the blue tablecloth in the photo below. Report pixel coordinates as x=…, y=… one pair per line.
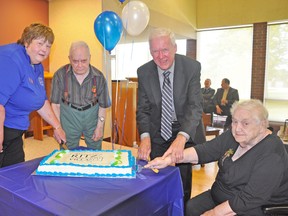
x=23, y=193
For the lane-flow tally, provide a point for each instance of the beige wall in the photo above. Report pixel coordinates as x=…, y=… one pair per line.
x=185, y=17
x=220, y=13
x=73, y=20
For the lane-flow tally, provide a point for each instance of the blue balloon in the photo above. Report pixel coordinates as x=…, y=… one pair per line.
x=108, y=29
x=122, y=1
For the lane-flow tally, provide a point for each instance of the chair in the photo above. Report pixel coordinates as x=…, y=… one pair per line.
x=207, y=121
x=207, y=127
x=276, y=209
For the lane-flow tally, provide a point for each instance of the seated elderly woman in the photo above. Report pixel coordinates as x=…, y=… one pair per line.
x=253, y=166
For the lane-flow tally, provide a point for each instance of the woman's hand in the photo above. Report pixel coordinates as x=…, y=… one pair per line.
x=176, y=149
x=59, y=135
x=159, y=163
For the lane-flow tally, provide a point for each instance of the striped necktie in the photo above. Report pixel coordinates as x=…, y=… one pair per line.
x=166, y=117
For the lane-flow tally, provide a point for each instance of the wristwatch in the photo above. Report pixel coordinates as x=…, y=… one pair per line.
x=102, y=119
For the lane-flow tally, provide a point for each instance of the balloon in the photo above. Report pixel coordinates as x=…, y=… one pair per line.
x=135, y=17
x=122, y=1
x=108, y=29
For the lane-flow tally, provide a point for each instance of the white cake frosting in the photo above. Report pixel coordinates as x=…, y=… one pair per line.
x=89, y=163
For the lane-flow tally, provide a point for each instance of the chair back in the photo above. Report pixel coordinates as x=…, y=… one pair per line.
x=206, y=117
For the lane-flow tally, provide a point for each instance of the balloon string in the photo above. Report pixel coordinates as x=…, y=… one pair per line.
x=115, y=129
x=118, y=96
x=125, y=110
x=118, y=99
x=109, y=83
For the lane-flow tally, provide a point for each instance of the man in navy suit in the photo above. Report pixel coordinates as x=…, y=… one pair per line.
x=207, y=94
x=223, y=100
x=186, y=107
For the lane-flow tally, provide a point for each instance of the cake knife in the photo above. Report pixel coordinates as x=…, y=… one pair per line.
x=140, y=167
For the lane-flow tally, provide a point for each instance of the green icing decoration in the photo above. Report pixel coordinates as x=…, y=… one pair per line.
x=58, y=155
x=115, y=163
x=53, y=162
x=118, y=160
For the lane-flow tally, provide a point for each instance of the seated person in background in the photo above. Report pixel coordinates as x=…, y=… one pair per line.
x=253, y=166
x=223, y=100
x=207, y=94
x=79, y=98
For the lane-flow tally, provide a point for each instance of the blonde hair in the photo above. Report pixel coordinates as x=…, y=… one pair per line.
x=36, y=31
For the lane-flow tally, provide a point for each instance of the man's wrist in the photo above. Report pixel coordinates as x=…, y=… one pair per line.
x=144, y=135
x=101, y=119
x=57, y=127
x=185, y=135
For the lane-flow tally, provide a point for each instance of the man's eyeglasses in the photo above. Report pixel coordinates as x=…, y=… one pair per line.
x=156, y=53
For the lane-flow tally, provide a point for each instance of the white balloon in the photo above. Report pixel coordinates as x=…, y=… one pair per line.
x=135, y=17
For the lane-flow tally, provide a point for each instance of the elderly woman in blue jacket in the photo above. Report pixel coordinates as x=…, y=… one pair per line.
x=22, y=90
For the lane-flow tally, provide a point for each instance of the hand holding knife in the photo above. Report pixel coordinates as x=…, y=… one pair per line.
x=63, y=145
x=140, y=167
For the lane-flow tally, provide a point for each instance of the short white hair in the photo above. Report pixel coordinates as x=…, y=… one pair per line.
x=160, y=32
x=78, y=44
x=254, y=106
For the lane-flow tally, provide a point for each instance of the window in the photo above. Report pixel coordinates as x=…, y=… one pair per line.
x=227, y=53
x=276, y=85
x=126, y=58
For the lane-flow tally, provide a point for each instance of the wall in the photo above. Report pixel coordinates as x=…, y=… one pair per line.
x=221, y=13
x=259, y=60
x=15, y=15
x=187, y=16
x=73, y=20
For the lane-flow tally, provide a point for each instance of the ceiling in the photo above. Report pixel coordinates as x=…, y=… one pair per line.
x=175, y=21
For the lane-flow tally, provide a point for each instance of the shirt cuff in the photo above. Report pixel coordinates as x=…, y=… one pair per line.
x=185, y=135
x=144, y=135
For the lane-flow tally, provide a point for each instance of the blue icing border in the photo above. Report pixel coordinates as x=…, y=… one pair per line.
x=131, y=162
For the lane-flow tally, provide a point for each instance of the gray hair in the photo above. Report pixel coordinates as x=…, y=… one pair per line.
x=253, y=105
x=160, y=32
x=78, y=44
